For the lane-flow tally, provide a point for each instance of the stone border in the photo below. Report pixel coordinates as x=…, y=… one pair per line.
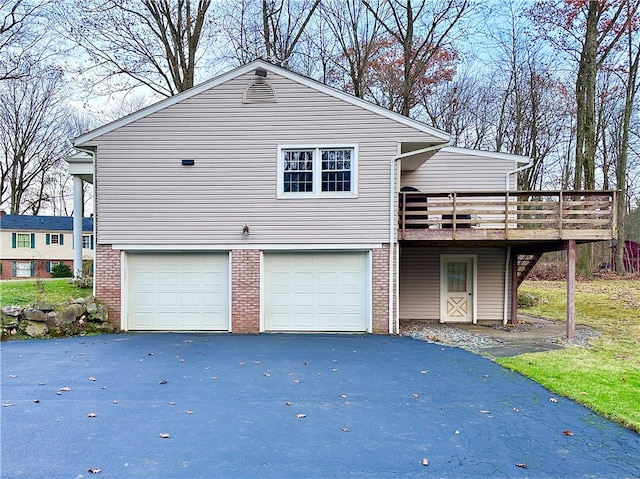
x=43, y=320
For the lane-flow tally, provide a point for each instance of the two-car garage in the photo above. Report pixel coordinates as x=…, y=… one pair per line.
x=299, y=291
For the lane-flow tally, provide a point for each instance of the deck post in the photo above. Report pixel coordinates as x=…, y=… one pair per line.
x=513, y=270
x=571, y=288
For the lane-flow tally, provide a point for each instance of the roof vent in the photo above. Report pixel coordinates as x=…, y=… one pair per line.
x=260, y=91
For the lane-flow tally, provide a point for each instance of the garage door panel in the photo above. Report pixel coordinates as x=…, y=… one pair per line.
x=316, y=291
x=172, y=291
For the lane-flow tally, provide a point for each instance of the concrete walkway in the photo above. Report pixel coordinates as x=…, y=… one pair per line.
x=288, y=406
x=533, y=335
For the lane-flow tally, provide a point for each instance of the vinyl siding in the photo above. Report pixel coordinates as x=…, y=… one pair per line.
x=453, y=170
x=145, y=196
x=420, y=282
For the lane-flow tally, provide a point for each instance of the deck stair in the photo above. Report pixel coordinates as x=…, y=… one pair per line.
x=525, y=263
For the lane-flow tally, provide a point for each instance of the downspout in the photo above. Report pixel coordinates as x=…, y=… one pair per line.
x=527, y=165
x=394, y=321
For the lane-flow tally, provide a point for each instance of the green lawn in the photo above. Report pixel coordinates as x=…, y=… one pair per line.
x=606, y=376
x=23, y=293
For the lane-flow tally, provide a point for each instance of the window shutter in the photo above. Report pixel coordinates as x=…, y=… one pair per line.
x=48, y=240
x=61, y=239
x=13, y=242
x=32, y=268
x=14, y=266
x=91, y=241
x=48, y=268
x=33, y=241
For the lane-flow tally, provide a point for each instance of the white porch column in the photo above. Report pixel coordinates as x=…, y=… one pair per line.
x=77, y=226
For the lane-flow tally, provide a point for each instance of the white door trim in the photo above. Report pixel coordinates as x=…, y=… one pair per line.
x=472, y=277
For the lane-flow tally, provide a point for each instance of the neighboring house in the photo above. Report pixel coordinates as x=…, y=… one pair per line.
x=31, y=245
x=262, y=200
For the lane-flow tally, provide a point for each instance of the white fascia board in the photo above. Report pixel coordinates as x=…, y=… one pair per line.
x=86, y=138
x=486, y=154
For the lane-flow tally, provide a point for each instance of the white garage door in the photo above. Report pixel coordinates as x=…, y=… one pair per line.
x=178, y=292
x=316, y=291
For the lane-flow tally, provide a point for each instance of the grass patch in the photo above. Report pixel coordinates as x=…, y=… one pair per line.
x=23, y=293
x=606, y=376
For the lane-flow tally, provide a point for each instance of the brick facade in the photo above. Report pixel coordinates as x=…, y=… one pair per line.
x=245, y=291
x=380, y=290
x=108, y=276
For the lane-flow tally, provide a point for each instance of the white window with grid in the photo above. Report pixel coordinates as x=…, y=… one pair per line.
x=317, y=171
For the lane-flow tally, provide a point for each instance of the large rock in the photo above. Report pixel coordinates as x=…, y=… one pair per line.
x=72, y=312
x=32, y=314
x=34, y=329
x=46, y=307
x=95, y=328
x=52, y=319
x=13, y=311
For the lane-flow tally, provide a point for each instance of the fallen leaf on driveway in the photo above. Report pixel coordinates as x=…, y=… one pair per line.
x=266, y=374
x=288, y=403
x=297, y=381
x=567, y=433
x=189, y=411
x=483, y=411
x=553, y=400
x=300, y=416
x=92, y=414
x=7, y=404
x=91, y=378
x=36, y=401
x=65, y=389
x=343, y=396
x=163, y=381
x=94, y=471
x=13, y=376
x=522, y=465
x=344, y=429
x=425, y=461
x=415, y=395
x=164, y=435
x=424, y=371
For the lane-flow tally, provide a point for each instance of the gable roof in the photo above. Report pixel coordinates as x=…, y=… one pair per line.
x=109, y=127
x=42, y=223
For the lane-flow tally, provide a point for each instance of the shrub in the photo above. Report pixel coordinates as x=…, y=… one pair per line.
x=527, y=300
x=61, y=270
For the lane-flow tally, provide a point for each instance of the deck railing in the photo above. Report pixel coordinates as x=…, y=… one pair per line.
x=508, y=214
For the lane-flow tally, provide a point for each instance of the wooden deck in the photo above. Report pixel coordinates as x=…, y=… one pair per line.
x=507, y=216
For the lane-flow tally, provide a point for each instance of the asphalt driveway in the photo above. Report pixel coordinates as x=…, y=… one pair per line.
x=299, y=406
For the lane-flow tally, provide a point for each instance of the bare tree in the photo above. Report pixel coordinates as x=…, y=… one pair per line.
x=239, y=22
x=588, y=32
x=155, y=43
x=283, y=23
x=423, y=34
x=33, y=139
x=355, y=31
x=631, y=89
x=19, y=34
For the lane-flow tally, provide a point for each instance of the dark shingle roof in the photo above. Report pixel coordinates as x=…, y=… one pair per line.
x=42, y=223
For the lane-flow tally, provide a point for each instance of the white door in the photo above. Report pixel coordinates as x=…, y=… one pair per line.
x=457, y=286
x=316, y=291
x=177, y=292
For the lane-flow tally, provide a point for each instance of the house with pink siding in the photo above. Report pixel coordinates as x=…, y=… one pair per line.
x=264, y=201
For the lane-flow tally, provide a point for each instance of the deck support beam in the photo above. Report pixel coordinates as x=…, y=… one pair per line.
x=571, y=288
